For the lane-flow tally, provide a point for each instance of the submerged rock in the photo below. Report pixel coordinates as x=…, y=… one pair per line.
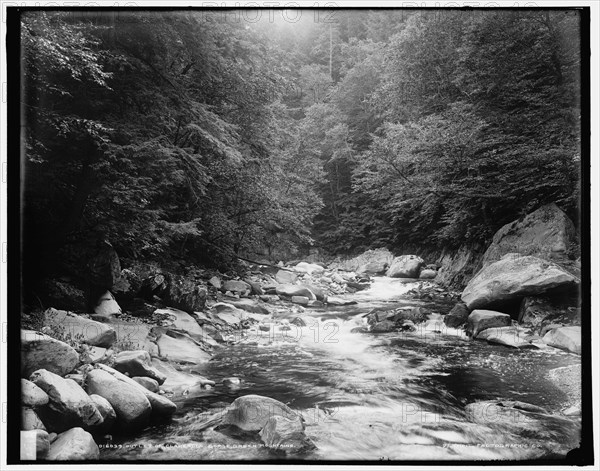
x=286, y=434
x=252, y=412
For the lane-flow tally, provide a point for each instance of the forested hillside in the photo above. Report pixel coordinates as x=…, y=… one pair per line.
x=199, y=136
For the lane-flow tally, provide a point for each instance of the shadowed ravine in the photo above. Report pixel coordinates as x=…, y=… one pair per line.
x=365, y=396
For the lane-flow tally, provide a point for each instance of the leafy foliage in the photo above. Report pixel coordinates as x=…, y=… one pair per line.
x=185, y=136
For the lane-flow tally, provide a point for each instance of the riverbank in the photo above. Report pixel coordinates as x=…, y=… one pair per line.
x=287, y=353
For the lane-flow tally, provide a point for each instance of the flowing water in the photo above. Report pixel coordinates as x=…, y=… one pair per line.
x=365, y=396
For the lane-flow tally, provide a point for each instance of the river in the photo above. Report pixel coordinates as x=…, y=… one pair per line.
x=365, y=396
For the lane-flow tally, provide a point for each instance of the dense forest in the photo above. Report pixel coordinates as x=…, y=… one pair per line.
x=202, y=135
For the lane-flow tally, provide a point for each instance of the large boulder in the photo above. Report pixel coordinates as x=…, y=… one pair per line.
x=69, y=405
x=73, y=445
x=39, y=351
x=286, y=277
x=109, y=416
x=373, y=261
x=481, y=319
x=130, y=404
x=565, y=338
x=34, y=445
x=405, y=266
x=32, y=395
x=514, y=277
x=295, y=290
x=161, y=406
x=457, y=316
x=252, y=412
x=547, y=233
x=186, y=294
x=285, y=433
x=137, y=363
x=80, y=328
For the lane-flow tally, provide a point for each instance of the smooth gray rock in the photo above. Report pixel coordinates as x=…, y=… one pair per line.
x=137, y=363
x=514, y=277
x=39, y=351
x=252, y=412
x=69, y=405
x=74, y=445
x=405, y=266
x=481, y=319
x=131, y=406
x=80, y=328
x=565, y=338
x=32, y=395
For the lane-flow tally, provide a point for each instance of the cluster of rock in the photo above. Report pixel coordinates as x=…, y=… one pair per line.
x=383, y=262
x=525, y=294
x=66, y=404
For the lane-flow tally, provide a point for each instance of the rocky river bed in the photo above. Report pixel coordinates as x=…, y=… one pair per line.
x=429, y=392
x=371, y=358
